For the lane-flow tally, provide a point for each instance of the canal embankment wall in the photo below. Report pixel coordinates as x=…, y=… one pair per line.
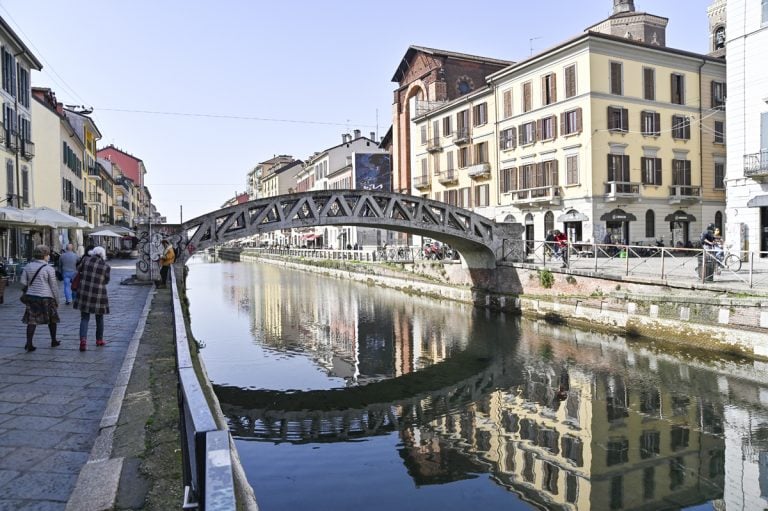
x=731, y=322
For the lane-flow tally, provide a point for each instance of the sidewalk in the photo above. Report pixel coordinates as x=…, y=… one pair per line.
x=60, y=408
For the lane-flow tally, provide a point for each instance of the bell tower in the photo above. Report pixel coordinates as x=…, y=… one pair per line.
x=630, y=24
x=716, y=15
x=620, y=6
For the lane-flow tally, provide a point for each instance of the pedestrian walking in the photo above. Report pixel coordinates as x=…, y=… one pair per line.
x=68, y=268
x=41, y=289
x=91, y=297
x=166, y=260
x=562, y=242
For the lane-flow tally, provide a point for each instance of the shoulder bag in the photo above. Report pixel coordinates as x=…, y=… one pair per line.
x=75, y=284
x=24, y=298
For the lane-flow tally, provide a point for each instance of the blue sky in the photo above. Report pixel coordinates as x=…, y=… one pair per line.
x=259, y=78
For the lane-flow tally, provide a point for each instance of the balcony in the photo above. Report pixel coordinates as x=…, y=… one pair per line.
x=2, y=133
x=540, y=196
x=616, y=190
x=448, y=177
x=479, y=171
x=93, y=171
x=684, y=193
x=461, y=136
x=421, y=182
x=433, y=145
x=12, y=141
x=93, y=198
x=756, y=165
x=27, y=149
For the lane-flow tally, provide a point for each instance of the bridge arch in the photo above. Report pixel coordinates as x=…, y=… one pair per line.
x=481, y=241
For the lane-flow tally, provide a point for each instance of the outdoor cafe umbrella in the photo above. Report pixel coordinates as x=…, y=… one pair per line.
x=106, y=233
x=15, y=216
x=53, y=218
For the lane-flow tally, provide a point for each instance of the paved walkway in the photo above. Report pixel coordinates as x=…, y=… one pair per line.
x=55, y=402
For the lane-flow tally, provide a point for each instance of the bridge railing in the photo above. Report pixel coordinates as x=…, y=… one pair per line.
x=206, y=460
x=742, y=268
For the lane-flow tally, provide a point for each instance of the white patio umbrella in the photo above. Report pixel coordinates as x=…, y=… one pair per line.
x=106, y=233
x=54, y=218
x=11, y=215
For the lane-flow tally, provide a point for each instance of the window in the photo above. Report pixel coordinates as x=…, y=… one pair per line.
x=650, y=123
x=526, y=177
x=436, y=164
x=719, y=220
x=25, y=185
x=676, y=473
x=570, y=122
x=482, y=195
x=447, y=131
x=678, y=89
x=651, y=171
x=650, y=224
x=463, y=157
x=570, y=81
x=548, y=89
x=617, y=492
x=449, y=161
x=424, y=169
x=649, y=483
x=528, y=133
x=618, y=119
x=681, y=172
x=462, y=124
x=719, y=132
x=508, y=138
x=435, y=132
x=618, y=168
x=24, y=87
x=572, y=169
x=549, y=176
x=506, y=99
x=423, y=134
x=480, y=114
x=681, y=127
x=649, y=83
x=720, y=175
x=549, y=221
x=9, y=178
x=765, y=12
x=546, y=128
x=617, y=87
x=527, y=100
x=481, y=153
x=718, y=94
x=452, y=197
x=465, y=197
x=9, y=72
x=508, y=180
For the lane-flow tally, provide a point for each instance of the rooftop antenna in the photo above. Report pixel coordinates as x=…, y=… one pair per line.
x=530, y=43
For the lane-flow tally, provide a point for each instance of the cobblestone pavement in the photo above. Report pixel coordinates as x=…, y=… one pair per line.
x=52, y=400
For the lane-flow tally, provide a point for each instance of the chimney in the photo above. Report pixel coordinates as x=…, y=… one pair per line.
x=357, y=134
x=373, y=136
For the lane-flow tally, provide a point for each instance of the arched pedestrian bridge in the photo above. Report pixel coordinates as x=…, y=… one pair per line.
x=481, y=241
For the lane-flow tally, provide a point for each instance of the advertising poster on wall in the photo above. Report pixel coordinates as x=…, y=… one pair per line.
x=372, y=171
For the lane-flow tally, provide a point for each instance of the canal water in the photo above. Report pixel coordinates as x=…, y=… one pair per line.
x=346, y=396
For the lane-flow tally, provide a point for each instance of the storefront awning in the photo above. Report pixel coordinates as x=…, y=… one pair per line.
x=679, y=216
x=618, y=215
x=572, y=216
x=760, y=201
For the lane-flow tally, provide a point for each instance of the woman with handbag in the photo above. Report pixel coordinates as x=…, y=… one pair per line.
x=91, y=296
x=40, y=296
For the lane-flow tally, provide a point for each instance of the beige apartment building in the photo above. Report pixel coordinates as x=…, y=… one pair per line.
x=603, y=137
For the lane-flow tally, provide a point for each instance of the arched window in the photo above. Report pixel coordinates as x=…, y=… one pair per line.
x=719, y=220
x=650, y=224
x=719, y=42
x=549, y=221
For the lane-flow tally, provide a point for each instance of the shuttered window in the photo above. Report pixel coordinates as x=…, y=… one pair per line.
x=508, y=180
x=436, y=164
x=481, y=153
x=649, y=83
x=572, y=169
x=463, y=157
x=570, y=122
x=651, y=171
x=618, y=119
x=449, y=161
x=548, y=89
x=447, y=131
x=546, y=128
x=508, y=139
x=480, y=114
x=650, y=123
x=507, y=103
x=482, y=195
x=718, y=94
x=618, y=167
x=527, y=99
x=681, y=172
x=678, y=89
x=527, y=133
x=465, y=197
x=617, y=85
x=423, y=134
x=719, y=175
x=570, y=81
x=719, y=132
x=681, y=127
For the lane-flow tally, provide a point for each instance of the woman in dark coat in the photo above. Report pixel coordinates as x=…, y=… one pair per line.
x=91, y=296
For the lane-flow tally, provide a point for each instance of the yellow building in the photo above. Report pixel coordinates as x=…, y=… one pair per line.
x=602, y=137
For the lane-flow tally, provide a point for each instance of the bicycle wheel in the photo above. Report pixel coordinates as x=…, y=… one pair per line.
x=732, y=262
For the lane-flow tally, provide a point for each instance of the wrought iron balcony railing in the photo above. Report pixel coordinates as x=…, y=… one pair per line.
x=756, y=165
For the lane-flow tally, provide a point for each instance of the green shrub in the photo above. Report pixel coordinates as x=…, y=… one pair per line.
x=546, y=278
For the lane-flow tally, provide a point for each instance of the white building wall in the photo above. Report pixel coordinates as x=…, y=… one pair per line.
x=747, y=99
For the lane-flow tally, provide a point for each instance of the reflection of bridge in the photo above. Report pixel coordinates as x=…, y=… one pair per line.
x=481, y=241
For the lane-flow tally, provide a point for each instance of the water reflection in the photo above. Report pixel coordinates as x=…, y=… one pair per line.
x=563, y=419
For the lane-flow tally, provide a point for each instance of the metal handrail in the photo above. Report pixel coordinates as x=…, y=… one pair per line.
x=206, y=459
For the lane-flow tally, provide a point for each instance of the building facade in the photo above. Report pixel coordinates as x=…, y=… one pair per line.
x=602, y=137
x=746, y=38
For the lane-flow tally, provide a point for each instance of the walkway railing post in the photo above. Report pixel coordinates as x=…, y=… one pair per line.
x=626, y=254
x=751, y=267
x=594, y=254
x=663, y=250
